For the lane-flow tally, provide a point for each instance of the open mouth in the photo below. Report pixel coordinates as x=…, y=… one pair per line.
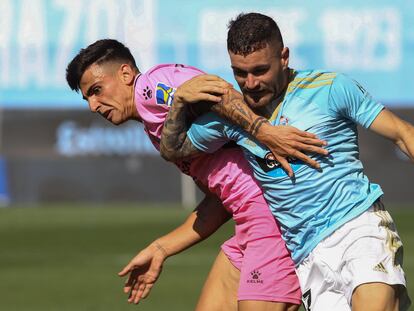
x=106, y=114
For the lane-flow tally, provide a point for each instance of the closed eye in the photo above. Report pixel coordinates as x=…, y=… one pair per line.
x=239, y=73
x=260, y=71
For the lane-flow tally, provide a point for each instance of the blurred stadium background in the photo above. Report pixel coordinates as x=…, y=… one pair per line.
x=99, y=193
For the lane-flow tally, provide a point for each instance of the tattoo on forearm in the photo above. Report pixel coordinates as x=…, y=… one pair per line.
x=174, y=141
x=237, y=111
x=175, y=144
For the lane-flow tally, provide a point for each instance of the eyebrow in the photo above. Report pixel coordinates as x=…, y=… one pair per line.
x=237, y=68
x=88, y=92
x=257, y=67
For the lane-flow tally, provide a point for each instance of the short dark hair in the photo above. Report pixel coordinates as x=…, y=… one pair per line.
x=101, y=51
x=251, y=32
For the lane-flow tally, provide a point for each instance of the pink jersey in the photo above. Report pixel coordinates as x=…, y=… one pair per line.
x=226, y=173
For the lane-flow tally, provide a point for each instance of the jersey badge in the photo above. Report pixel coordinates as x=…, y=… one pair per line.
x=147, y=93
x=164, y=94
x=255, y=277
x=283, y=120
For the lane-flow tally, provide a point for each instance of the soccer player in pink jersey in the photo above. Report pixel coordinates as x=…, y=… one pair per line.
x=254, y=267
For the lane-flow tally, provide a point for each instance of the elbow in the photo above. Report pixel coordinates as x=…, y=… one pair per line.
x=404, y=140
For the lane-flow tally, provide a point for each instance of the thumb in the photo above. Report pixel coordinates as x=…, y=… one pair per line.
x=125, y=270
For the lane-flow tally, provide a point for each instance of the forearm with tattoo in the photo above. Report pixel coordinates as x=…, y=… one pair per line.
x=234, y=109
x=175, y=144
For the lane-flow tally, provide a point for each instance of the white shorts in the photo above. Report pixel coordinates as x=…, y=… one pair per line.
x=364, y=250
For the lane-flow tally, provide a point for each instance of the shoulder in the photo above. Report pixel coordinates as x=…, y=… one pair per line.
x=312, y=80
x=171, y=74
x=344, y=80
x=168, y=68
x=345, y=86
x=166, y=77
x=161, y=81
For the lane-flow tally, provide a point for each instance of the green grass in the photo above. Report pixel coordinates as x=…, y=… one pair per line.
x=67, y=258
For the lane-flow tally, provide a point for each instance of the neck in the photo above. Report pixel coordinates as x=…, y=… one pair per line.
x=134, y=112
x=268, y=110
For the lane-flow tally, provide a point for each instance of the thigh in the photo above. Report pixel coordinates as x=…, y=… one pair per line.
x=219, y=292
x=375, y=297
x=373, y=271
x=248, y=305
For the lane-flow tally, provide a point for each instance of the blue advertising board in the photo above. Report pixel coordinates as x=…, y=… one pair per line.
x=372, y=41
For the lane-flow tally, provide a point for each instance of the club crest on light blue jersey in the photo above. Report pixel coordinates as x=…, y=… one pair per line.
x=283, y=120
x=164, y=94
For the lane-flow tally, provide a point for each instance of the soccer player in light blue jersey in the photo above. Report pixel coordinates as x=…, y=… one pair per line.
x=347, y=251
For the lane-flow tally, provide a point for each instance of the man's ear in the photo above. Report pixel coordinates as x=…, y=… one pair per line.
x=126, y=74
x=284, y=56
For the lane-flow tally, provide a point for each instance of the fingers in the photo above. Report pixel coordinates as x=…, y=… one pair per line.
x=204, y=97
x=204, y=92
x=140, y=290
x=285, y=165
x=136, y=292
x=147, y=290
x=312, y=145
x=211, y=93
x=129, y=284
x=141, y=280
x=313, y=141
x=209, y=77
x=300, y=133
x=305, y=137
x=125, y=270
x=304, y=158
x=313, y=149
x=300, y=156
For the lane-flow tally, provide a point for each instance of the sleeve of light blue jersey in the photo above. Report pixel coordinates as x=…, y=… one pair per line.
x=349, y=99
x=209, y=133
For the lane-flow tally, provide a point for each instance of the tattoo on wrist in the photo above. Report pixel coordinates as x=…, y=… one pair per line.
x=254, y=129
x=160, y=248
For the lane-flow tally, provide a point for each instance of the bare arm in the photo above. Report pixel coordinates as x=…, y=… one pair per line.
x=283, y=141
x=399, y=131
x=205, y=90
x=175, y=144
x=145, y=268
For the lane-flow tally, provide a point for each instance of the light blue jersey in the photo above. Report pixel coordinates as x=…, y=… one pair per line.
x=314, y=204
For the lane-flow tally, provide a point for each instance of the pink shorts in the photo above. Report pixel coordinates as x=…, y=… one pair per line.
x=267, y=272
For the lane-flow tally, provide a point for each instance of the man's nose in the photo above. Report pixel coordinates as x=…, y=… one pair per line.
x=93, y=104
x=251, y=82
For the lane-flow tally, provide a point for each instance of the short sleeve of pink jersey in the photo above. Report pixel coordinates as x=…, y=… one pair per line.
x=154, y=93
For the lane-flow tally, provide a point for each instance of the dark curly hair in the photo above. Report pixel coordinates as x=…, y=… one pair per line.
x=101, y=51
x=251, y=32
